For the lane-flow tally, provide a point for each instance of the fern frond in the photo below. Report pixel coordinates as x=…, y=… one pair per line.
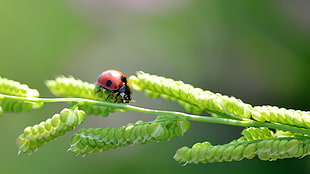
x=95, y=140
x=260, y=142
x=264, y=149
x=34, y=136
x=11, y=87
x=274, y=114
x=71, y=87
x=193, y=99
x=18, y=106
x=197, y=100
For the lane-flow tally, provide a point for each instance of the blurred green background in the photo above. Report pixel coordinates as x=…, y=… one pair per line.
x=257, y=51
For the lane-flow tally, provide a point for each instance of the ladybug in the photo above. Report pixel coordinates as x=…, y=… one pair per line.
x=116, y=82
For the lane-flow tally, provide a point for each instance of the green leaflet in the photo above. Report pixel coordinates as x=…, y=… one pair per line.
x=274, y=114
x=71, y=87
x=265, y=149
x=95, y=140
x=18, y=106
x=196, y=100
x=35, y=136
x=260, y=142
x=193, y=99
x=11, y=87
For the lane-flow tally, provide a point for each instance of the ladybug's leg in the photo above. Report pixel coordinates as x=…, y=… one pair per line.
x=109, y=95
x=99, y=88
x=117, y=94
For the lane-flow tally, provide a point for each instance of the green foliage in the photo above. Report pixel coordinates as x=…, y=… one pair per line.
x=289, y=138
x=11, y=87
x=255, y=142
x=34, y=136
x=268, y=149
x=71, y=87
x=194, y=100
x=95, y=140
x=274, y=114
x=15, y=88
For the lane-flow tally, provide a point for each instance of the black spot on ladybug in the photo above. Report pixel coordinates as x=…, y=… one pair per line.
x=108, y=83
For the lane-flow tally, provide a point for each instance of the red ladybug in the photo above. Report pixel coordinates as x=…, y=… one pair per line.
x=116, y=82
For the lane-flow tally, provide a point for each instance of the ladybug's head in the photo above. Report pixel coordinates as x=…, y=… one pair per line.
x=125, y=93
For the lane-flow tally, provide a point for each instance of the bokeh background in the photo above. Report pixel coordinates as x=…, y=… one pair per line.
x=256, y=50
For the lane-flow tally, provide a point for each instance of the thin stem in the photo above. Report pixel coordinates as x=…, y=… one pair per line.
x=243, y=123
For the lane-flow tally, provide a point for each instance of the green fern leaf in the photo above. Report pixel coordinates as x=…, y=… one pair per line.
x=35, y=136
x=196, y=100
x=95, y=140
x=193, y=99
x=274, y=114
x=11, y=87
x=264, y=149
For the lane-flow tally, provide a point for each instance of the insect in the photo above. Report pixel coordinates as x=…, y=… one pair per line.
x=116, y=82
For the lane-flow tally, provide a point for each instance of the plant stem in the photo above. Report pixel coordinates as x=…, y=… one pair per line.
x=243, y=123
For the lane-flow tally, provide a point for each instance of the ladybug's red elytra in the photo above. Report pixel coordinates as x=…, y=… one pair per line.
x=116, y=82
